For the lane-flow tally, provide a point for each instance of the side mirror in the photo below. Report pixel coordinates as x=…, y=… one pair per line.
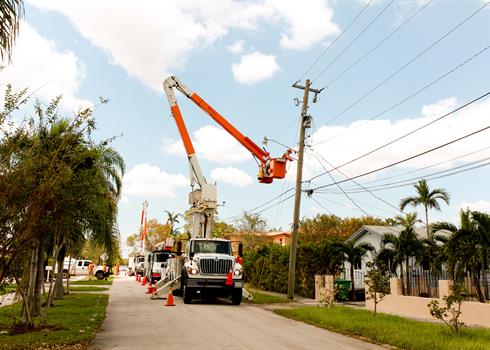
x=191, y=255
x=240, y=249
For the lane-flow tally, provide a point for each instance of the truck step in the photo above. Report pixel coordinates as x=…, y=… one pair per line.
x=162, y=288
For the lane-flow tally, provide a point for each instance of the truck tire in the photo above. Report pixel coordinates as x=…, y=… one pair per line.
x=99, y=275
x=236, y=296
x=186, y=293
x=65, y=274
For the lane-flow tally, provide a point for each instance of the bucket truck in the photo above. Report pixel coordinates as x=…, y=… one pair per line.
x=208, y=265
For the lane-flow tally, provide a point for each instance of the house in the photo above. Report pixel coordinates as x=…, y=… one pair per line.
x=373, y=235
x=278, y=237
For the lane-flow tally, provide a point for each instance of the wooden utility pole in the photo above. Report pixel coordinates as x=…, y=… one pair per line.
x=305, y=123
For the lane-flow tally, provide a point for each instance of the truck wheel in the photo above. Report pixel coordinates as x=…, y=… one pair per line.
x=99, y=275
x=236, y=296
x=65, y=274
x=186, y=293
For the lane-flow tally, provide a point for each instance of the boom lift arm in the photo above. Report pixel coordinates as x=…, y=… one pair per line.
x=269, y=168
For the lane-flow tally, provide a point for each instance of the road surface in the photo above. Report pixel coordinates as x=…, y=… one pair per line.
x=134, y=321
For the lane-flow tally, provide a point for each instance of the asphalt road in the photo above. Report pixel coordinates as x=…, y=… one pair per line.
x=134, y=321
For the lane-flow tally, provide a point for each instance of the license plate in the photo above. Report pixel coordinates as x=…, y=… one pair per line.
x=238, y=284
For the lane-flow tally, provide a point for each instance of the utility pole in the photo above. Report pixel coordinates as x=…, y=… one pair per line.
x=305, y=123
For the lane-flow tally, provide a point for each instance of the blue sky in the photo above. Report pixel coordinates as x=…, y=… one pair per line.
x=242, y=57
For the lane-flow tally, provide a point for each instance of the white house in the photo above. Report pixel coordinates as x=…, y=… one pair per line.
x=374, y=234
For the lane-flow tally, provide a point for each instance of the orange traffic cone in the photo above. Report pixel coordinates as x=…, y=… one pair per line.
x=229, y=279
x=170, y=298
x=150, y=288
x=137, y=278
x=143, y=281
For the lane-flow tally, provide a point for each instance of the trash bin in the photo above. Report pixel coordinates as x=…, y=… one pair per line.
x=342, y=286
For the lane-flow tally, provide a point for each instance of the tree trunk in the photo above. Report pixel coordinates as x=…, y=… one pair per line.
x=49, y=300
x=36, y=310
x=32, y=279
x=58, y=286
x=476, y=280
x=427, y=221
x=68, y=277
x=353, y=289
x=402, y=277
x=408, y=277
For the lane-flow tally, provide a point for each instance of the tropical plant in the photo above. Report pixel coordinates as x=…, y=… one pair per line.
x=427, y=198
x=468, y=247
x=378, y=284
x=397, y=249
x=353, y=254
x=451, y=312
x=251, y=223
x=11, y=11
x=173, y=219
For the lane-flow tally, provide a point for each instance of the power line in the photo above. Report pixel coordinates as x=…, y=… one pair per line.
x=341, y=189
x=409, y=133
x=407, y=64
x=406, y=159
x=408, y=97
x=410, y=181
x=335, y=40
x=358, y=184
x=354, y=40
x=427, y=167
x=272, y=206
x=379, y=44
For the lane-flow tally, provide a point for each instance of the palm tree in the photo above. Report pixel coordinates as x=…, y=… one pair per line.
x=398, y=249
x=172, y=219
x=11, y=11
x=468, y=247
x=353, y=254
x=428, y=199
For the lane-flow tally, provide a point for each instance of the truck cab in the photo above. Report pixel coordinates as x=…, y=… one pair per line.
x=210, y=269
x=158, y=264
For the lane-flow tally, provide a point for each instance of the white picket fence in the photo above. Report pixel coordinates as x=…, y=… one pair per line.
x=358, y=278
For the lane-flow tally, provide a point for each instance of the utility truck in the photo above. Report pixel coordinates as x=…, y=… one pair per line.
x=208, y=266
x=79, y=267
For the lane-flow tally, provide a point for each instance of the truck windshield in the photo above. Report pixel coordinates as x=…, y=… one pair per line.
x=161, y=257
x=212, y=247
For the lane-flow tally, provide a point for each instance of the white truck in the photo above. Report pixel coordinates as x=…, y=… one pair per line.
x=208, y=266
x=80, y=267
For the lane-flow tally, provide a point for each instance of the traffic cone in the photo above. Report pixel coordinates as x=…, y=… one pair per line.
x=170, y=298
x=150, y=288
x=143, y=281
x=137, y=278
x=229, y=279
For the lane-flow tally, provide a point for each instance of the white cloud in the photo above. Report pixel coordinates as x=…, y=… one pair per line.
x=211, y=143
x=37, y=63
x=236, y=47
x=481, y=205
x=254, y=67
x=307, y=24
x=232, y=176
x=362, y=136
x=153, y=38
x=148, y=181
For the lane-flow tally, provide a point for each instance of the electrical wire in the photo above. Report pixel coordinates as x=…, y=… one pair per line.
x=406, y=159
x=354, y=40
x=406, y=98
x=358, y=184
x=407, y=64
x=335, y=40
x=408, y=19
x=410, y=181
x=409, y=133
x=426, y=167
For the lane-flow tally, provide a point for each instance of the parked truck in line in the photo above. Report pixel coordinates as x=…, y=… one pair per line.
x=80, y=267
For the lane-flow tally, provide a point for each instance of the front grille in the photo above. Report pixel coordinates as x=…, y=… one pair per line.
x=215, y=267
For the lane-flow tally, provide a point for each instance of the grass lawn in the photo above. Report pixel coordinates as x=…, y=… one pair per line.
x=87, y=289
x=93, y=282
x=72, y=320
x=262, y=298
x=386, y=329
x=8, y=288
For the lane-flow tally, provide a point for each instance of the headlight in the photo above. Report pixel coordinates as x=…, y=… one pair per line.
x=238, y=272
x=192, y=270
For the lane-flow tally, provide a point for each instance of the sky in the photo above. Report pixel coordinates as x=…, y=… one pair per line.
x=387, y=68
